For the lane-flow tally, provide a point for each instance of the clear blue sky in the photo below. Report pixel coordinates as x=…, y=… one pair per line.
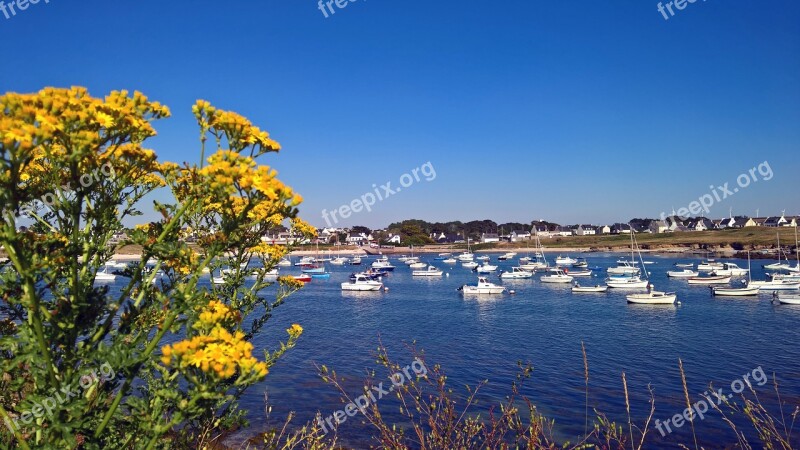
x=572, y=111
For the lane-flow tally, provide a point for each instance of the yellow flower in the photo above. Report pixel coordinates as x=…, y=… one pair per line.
x=295, y=330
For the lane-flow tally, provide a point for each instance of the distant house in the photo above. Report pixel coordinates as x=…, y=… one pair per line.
x=562, y=231
x=700, y=224
x=658, y=226
x=754, y=221
x=585, y=230
x=517, y=236
x=605, y=229
x=393, y=239
x=489, y=237
x=791, y=221
x=357, y=238
x=774, y=222
x=450, y=239
x=620, y=228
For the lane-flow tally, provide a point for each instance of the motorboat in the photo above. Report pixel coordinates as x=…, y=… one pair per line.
x=104, y=277
x=356, y=261
x=382, y=264
x=304, y=278
x=577, y=288
x=313, y=269
x=404, y=258
x=410, y=261
x=781, y=276
x=429, y=271
x=653, y=298
x=418, y=265
x=469, y=264
x=722, y=279
x=775, y=285
x=685, y=265
x=580, y=263
x=284, y=262
x=507, y=256
x=515, y=274
x=624, y=268
x=557, y=276
x=483, y=287
x=362, y=283
x=534, y=266
x=685, y=273
x=486, y=268
x=524, y=259
x=443, y=256
x=305, y=261
x=788, y=299
x=371, y=274
x=450, y=261
x=730, y=269
x=709, y=266
x=565, y=260
x=339, y=261
x=483, y=258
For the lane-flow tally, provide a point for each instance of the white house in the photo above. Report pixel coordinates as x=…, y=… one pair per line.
x=517, y=236
x=658, y=226
x=605, y=229
x=585, y=230
x=489, y=237
x=393, y=239
x=357, y=238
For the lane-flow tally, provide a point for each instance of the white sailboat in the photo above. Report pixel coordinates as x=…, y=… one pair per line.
x=746, y=291
x=104, y=277
x=467, y=255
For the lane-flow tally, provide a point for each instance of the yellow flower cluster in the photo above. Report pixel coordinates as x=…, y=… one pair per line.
x=218, y=352
x=239, y=131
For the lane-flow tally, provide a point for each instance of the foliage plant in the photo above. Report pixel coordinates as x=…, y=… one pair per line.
x=159, y=360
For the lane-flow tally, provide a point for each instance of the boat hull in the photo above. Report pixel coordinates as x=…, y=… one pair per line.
x=653, y=298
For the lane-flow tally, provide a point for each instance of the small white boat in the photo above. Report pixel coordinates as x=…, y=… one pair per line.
x=789, y=299
x=780, y=276
x=730, y=269
x=524, y=259
x=104, y=277
x=284, y=262
x=709, y=266
x=483, y=287
x=483, y=258
x=410, y=261
x=516, y=273
x=418, y=265
x=580, y=273
x=430, y=271
x=339, y=261
x=775, y=285
x=218, y=280
x=624, y=268
x=565, y=260
x=305, y=261
x=466, y=256
x=557, y=276
x=450, y=261
x=588, y=289
x=362, y=283
x=507, y=256
x=383, y=264
x=685, y=266
x=117, y=265
x=626, y=283
x=404, y=258
x=685, y=273
x=469, y=264
x=534, y=266
x=486, y=268
x=356, y=261
x=777, y=266
x=710, y=280
x=734, y=292
x=653, y=298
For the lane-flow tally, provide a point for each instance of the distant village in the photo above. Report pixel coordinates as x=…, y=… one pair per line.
x=417, y=232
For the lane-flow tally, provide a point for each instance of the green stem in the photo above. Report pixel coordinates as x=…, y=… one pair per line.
x=8, y=421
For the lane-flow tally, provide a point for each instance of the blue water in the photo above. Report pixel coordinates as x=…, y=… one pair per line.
x=477, y=338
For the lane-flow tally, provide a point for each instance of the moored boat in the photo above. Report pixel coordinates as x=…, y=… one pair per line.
x=362, y=283
x=516, y=273
x=557, y=276
x=483, y=287
x=653, y=298
x=686, y=273
x=710, y=280
x=429, y=271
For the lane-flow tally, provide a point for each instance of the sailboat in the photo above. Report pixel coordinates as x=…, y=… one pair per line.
x=631, y=280
x=467, y=255
x=779, y=265
x=652, y=297
x=541, y=261
x=738, y=292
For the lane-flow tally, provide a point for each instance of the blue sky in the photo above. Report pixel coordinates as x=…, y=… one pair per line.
x=572, y=111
